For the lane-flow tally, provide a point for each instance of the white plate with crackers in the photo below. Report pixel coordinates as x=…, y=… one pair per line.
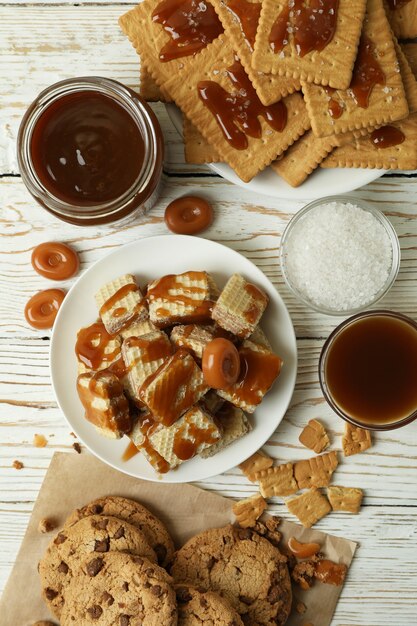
x=148, y=259
x=321, y=182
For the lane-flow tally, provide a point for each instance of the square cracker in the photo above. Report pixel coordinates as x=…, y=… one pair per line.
x=355, y=439
x=256, y=463
x=331, y=66
x=277, y=481
x=410, y=51
x=270, y=88
x=303, y=157
x=310, y=507
x=403, y=20
x=247, y=511
x=149, y=89
x=210, y=64
x=317, y=471
x=386, y=102
x=408, y=78
x=362, y=152
x=347, y=499
x=314, y=436
x=197, y=149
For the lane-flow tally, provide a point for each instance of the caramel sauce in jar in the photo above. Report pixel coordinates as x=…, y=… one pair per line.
x=247, y=14
x=42, y=308
x=188, y=215
x=91, y=151
x=387, y=137
x=55, y=260
x=237, y=113
x=190, y=24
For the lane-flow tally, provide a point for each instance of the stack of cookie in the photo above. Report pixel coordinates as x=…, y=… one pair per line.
x=108, y=565
x=286, y=83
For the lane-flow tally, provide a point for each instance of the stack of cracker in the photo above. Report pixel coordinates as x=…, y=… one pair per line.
x=287, y=83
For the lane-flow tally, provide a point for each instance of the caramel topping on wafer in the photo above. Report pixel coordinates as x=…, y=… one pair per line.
x=147, y=425
x=91, y=346
x=166, y=288
x=115, y=417
x=150, y=350
x=237, y=113
x=189, y=438
x=256, y=372
x=387, y=136
x=312, y=24
x=191, y=25
x=247, y=13
x=115, y=298
x=367, y=73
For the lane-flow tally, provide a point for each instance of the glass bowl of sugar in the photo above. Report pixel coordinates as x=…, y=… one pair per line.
x=339, y=255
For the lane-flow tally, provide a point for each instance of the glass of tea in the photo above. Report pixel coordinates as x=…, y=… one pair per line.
x=368, y=370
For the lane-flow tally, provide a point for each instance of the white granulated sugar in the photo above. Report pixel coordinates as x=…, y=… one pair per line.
x=339, y=256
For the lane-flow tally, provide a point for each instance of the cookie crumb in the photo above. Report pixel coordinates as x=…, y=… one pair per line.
x=73, y=434
x=77, y=447
x=249, y=510
x=303, y=574
x=17, y=464
x=39, y=441
x=300, y=607
x=46, y=524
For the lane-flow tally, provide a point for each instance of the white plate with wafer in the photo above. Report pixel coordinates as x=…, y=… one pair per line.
x=148, y=259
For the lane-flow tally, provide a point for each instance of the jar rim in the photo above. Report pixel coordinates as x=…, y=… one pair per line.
x=140, y=112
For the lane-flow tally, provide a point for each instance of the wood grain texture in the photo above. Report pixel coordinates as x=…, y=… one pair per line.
x=41, y=42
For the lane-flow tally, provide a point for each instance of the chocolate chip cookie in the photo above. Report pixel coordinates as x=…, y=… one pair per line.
x=93, y=535
x=134, y=513
x=117, y=589
x=244, y=568
x=204, y=608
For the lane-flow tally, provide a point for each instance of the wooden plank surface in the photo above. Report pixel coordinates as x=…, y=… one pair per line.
x=43, y=42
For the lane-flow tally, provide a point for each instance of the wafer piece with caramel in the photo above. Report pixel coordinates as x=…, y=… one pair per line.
x=106, y=406
x=137, y=329
x=375, y=95
x=174, y=388
x=317, y=471
x=96, y=349
x=255, y=464
x=233, y=423
x=143, y=356
x=240, y=20
x=194, y=432
x=310, y=507
x=181, y=298
x=315, y=42
x=402, y=17
x=217, y=92
x=303, y=157
x=212, y=402
x=121, y=302
x=347, y=499
x=139, y=437
x=149, y=89
x=197, y=149
x=277, y=481
x=240, y=306
x=249, y=510
x=165, y=33
x=393, y=146
x=314, y=436
x=259, y=369
x=355, y=439
x=194, y=337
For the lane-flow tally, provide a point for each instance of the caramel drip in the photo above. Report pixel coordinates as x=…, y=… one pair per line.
x=258, y=371
x=147, y=425
x=259, y=300
x=116, y=297
x=190, y=24
x=331, y=573
x=130, y=452
x=91, y=345
x=151, y=349
x=116, y=416
x=247, y=13
x=335, y=108
x=387, y=137
x=189, y=437
x=312, y=24
x=237, y=113
x=367, y=73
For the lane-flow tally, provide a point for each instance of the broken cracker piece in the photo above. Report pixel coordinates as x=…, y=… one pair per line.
x=317, y=471
x=347, y=499
x=277, y=481
x=310, y=507
x=256, y=463
x=314, y=436
x=355, y=439
x=247, y=511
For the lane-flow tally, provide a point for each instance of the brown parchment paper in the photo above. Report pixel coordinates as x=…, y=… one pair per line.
x=72, y=480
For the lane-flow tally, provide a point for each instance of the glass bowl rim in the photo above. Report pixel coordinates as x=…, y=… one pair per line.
x=382, y=219
x=322, y=376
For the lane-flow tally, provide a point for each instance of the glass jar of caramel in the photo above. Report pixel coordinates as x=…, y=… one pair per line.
x=91, y=151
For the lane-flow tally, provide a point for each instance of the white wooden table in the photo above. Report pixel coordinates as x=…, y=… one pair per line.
x=42, y=42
